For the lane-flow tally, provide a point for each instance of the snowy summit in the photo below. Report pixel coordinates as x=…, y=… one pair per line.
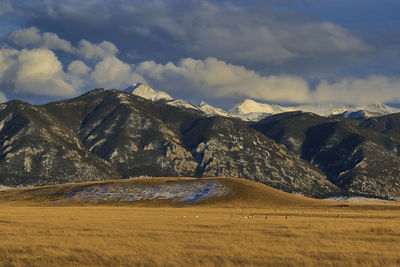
x=145, y=91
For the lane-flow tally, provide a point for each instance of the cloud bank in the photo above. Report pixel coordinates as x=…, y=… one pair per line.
x=36, y=71
x=33, y=68
x=217, y=79
x=32, y=37
x=244, y=34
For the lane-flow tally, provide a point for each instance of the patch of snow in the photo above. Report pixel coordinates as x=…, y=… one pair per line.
x=337, y=198
x=2, y=125
x=100, y=142
x=253, y=116
x=114, y=154
x=364, y=200
x=149, y=146
x=188, y=192
x=182, y=104
x=3, y=188
x=123, y=99
x=90, y=137
x=210, y=110
x=28, y=164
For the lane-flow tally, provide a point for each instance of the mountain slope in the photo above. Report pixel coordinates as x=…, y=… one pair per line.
x=146, y=138
x=360, y=160
x=37, y=149
x=106, y=134
x=212, y=111
x=227, y=147
x=138, y=136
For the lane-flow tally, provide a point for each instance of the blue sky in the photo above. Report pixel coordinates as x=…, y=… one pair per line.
x=220, y=51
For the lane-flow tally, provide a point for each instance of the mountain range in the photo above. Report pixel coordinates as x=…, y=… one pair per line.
x=109, y=134
x=250, y=110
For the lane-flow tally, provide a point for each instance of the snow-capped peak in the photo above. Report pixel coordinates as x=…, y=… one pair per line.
x=252, y=110
x=202, y=103
x=250, y=106
x=145, y=91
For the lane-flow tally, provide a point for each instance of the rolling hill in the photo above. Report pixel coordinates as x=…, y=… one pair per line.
x=160, y=191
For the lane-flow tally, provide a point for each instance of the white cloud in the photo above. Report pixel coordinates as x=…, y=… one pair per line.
x=215, y=78
x=7, y=60
x=212, y=78
x=32, y=36
x=96, y=51
x=25, y=37
x=3, y=98
x=40, y=72
x=35, y=72
x=113, y=73
x=78, y=68
x=240, y=34
x=371, y=89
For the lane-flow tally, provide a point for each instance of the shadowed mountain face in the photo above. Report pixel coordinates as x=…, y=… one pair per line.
x=361, y=157
x=137, y=136
x=228, y=148
x=108, y=134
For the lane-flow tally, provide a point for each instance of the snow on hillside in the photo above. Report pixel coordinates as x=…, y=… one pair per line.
x=212, y=111
x=2, y=188
x=182, y=104
x=189, y=191
x=364, y=200
x=147, y=92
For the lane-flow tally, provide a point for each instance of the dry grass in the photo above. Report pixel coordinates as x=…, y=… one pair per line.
x=206, y=235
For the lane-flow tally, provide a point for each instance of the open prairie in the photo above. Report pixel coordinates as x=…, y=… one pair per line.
x=63, y=226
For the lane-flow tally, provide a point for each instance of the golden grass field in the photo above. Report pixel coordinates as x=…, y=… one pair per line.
x=212, y=233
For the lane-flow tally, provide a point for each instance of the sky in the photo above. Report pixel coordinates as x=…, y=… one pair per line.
x=286, y=52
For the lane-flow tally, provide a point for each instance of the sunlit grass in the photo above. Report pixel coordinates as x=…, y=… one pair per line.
x=298, y=232
x=126, y=236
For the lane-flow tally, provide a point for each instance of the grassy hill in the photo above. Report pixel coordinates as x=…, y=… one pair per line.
x=158, y=192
